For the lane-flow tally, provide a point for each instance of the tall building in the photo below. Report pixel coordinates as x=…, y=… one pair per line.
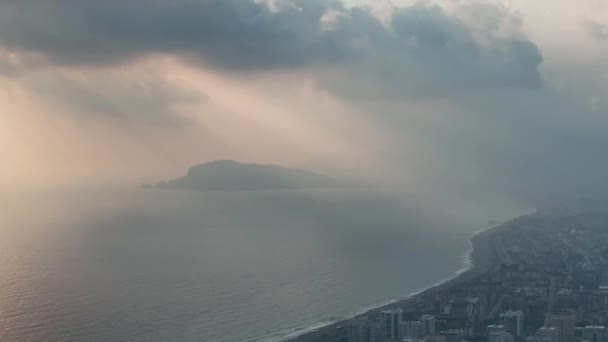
x=594, y=333
x=564, y=322
x=391, y=322
x=364, y=330
x=428, y=325
x=411, y=330
x=513, y=322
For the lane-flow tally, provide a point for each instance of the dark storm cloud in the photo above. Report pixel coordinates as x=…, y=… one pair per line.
x=423, y=49
x=227, y=33
x=426, y=53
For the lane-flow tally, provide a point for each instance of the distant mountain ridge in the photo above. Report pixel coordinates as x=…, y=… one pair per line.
x=230, y=175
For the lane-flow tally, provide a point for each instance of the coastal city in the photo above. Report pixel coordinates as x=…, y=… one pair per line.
x=538, y=278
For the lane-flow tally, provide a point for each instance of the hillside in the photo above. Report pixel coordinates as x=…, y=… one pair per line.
x=228, y=175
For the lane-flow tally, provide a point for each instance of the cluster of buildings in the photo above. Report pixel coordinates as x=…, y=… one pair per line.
x=394, y=326
x=391, y=327
x=548, y=283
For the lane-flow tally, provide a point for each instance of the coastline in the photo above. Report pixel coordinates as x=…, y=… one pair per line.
x=481, y=258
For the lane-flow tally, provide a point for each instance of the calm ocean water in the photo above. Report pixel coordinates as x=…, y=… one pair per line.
x=230, y=267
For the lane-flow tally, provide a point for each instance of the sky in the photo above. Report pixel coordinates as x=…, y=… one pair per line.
x=496, y=95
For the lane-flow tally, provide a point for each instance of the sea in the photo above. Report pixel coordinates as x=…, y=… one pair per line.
x=151, y=265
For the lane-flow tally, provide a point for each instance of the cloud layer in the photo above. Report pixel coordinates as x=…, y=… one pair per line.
x=421, y=47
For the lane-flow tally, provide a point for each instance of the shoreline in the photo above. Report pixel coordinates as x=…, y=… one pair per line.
x=480, y=258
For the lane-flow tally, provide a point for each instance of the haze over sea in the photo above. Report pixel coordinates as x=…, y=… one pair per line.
x=218, y=266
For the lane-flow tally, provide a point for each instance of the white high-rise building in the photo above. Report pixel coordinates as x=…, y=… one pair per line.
x=391, y=322
x=411, y=330
x=513, y=322
x=428, y=325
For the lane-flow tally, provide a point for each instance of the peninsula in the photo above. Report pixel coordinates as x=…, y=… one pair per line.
x=229, y=175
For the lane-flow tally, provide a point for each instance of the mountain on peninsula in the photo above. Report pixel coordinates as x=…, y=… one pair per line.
x=229, y=175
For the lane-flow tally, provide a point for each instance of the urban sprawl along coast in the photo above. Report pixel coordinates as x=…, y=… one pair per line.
x=538, y=278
